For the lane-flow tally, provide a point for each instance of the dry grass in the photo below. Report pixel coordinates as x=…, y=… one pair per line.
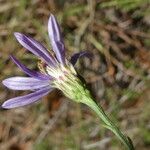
x=118, y=75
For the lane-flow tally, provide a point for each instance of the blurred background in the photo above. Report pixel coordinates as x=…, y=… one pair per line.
x=117, y=33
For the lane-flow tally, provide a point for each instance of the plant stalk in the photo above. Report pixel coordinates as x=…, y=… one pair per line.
x=108, y=123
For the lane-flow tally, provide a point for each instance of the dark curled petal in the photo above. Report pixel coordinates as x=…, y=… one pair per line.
x=25, y=83
x=35, y=47
x=76, y=56
x=28, y=71
x=56, y=39
x=27, y=99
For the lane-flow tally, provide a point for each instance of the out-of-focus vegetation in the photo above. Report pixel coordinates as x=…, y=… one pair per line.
x=117, y=32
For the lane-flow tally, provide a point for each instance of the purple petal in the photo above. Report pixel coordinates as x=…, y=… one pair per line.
x=24, y=83
x=35, y=47
x=30, y=72
x=25, y=100
x=56, y=39
x=76, y=56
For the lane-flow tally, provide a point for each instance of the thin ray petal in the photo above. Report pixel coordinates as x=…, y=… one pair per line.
x=35, y=47
x=28, y=71
x=56, y=39
x=25, y=100
x=24, y=83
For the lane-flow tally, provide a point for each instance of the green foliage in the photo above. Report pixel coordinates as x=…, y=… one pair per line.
x=144, y=129
x=127, y=5
x=74, y=10
x=145, y=135
x=43, y=145
x=131, y=94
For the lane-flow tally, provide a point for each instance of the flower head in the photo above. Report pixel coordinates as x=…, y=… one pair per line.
x=55, y=70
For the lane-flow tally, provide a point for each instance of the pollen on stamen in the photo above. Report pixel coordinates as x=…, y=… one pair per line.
x=42, y=66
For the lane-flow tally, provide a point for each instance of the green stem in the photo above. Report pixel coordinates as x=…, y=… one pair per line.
x=108, y=123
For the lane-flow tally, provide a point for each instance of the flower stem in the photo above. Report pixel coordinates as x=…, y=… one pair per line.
x=108, y=123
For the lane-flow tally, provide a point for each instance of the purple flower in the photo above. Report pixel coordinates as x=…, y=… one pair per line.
x=55, y=70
